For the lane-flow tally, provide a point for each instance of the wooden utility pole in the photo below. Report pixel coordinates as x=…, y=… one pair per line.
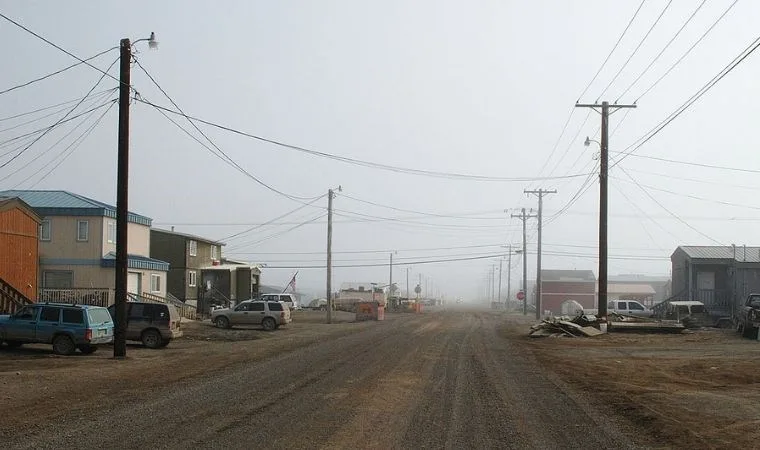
x=524, y=217
x=329, y=255
x=390, y=281
x=509, y=276
x=540, y=194
x=122, y=200
x=604, y=110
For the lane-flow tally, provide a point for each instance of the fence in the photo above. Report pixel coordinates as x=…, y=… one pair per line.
x=82, y=296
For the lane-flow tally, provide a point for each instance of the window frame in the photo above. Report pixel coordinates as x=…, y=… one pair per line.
x=192, y=247
x=86, y=230
x=192, y=278
x=111, y=232
x=49, y=230
x=155, y=279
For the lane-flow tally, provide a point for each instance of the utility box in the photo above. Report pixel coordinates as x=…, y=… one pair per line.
x=369, y=311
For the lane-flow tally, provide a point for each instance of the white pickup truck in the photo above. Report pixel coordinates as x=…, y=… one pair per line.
x=625, y=307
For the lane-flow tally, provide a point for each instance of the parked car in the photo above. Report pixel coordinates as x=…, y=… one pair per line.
x=318, y=304
x=153, y=324
x=690, y=313
x=270, y=315
x=67, y=327
x=289, y=299
x=628, y=308
x=748, y=321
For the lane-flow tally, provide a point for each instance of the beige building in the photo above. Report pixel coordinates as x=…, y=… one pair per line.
x=78, y=245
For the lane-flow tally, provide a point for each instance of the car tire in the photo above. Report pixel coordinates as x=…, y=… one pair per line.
x=63, y=345
x=222, y=322
x=269, y=324
x=88, y=349
x=151, y=339
x=749, y=332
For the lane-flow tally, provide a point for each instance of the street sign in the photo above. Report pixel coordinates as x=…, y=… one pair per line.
x=521, y=295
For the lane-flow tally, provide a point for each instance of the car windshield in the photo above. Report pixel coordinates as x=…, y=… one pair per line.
x=98, y=316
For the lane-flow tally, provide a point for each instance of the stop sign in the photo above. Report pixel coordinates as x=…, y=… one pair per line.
x=521, y=295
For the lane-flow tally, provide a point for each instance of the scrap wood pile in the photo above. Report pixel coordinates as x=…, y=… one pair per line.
x=564, y=326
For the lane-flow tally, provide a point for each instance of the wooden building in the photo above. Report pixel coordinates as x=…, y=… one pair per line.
x=19, y=246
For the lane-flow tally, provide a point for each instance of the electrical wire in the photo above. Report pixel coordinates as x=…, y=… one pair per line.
x=95, y=98
x=278, y=234
x=45, y=108
x=73, y=148
x=105, y=73
x=44, y=77
x=656, y=58
x=693, y=99
x=604, y=63
x=55, y=144
x=652, y=86
x=625, y=64
x=59, y=121
x=674, y=215
x=644, y=214
x=269, y=222
x=696, y=180
x=224, y=156
x=422, y=213
x=345, y=159
x=690, y=163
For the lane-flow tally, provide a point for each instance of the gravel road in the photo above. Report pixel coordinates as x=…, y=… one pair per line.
x=437, y=380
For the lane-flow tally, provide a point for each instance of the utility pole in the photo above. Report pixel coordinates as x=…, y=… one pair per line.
x=603, y=177
x=498, y=299
x=390, y=281
x=524, y=217
x=509, y=276
x=407, y=286
x=122, y=200
x=329, y=255
x=540, y=193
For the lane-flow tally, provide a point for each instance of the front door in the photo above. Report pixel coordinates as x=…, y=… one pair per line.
x=22, y=326
x=134, y=283
x=706, y=287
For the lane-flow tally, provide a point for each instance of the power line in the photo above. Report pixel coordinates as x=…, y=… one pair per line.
x=95, y=98
x=272, y=236
x=674, y=215
x=44, y=77
x=644, y=213
x=345, y=159
x=269, y=222
x=604, y=63
x=625, y=64
x=695, y=180
x=693, y=99
x=45, y=108
x=224, y=156
x=42, y=130
x=59, y=121
x=652, y=86
x=55, y=144
x=105, y=73
x=422, y=213
x=654, y=60
x=71, y=151
x=690, y=163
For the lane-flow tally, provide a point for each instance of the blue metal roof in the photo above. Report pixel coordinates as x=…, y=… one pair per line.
x=136, y=262
x=64, y=203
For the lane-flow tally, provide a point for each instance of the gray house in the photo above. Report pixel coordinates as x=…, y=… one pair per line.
x=718, y=276
x=187, y=255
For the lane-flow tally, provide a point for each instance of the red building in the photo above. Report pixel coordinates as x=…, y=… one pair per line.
x=19, y=251
x=558, y=286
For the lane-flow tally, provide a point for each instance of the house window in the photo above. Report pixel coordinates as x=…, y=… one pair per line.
x=214, y=252
x=111, y=233
x=45, y=230
x=155, y=283
x=193, y=248
x=83, y=230
x=192, y=278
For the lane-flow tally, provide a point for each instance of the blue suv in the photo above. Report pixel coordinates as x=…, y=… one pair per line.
x=67, y=327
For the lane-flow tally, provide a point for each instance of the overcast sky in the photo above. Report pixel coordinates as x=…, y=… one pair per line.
x=472, y=87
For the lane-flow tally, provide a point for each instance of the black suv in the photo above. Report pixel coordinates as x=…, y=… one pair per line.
x=153, y=324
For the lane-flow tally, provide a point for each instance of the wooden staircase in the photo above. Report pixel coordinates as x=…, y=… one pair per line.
x=11, y=300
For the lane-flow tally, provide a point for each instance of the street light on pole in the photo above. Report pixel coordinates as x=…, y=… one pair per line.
x=122, y=194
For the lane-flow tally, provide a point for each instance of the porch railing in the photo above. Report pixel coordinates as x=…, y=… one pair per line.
x=185, y=310
x=82, y=296
x=11, y=299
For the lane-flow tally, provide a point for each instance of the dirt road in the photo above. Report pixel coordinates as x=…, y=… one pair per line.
x=438, y=380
